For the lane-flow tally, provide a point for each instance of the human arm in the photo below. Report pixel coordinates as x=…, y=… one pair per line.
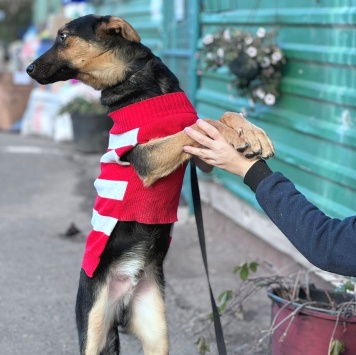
x=328, y=243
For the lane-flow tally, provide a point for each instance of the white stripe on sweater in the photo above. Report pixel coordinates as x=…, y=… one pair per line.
x=111, y=189
x=123, y=139
x=103, y=224
x=112, y=157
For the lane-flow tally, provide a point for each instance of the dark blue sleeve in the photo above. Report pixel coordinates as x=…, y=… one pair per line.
x=328, y=243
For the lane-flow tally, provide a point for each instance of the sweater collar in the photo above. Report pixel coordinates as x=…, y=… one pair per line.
x=143, y=112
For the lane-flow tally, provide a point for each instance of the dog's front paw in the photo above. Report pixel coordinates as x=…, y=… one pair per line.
x=257, y=142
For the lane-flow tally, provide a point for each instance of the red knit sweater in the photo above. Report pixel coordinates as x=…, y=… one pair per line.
x=121, y=194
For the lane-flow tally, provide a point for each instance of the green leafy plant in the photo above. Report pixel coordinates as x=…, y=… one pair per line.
x=348, y=285
x=224, y=298
x=336, y=347
x=203, y=346
x=254, y=59
x=244, y=269
x=84, y=106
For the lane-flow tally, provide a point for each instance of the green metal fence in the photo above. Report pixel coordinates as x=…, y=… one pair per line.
x=313, y=124
x=42, y=8
x=180, y=35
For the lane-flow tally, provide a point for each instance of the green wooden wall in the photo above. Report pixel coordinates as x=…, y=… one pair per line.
x=313, y=124
x=180, y=36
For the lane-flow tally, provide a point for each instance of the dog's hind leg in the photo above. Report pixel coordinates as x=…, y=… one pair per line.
x=148, y=315
x=95, y=314
x=112, y=346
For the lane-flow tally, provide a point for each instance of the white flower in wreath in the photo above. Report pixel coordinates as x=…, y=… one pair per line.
x=261, y=32
x=265, y=62
x=266, y=50
x=208, y=39
x=276, y=57
x=251, y=52
x=270, y=99
x=248, y=40
x=227, y=35
x=220, y=52
x=260, y=93
x=210, y=56
x=268, y=71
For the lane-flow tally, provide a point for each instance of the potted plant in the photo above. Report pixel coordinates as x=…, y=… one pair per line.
x=312, y=321
x=305, y=320
x=91, y=125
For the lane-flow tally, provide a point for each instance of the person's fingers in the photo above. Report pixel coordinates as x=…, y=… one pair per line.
x=193, y=150
x=189, y=149
x=209, y=129
x=212, y=134
x=198, y=137
x=199, y=152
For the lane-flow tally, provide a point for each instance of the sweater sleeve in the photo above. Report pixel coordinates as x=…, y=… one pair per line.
x=328, y=243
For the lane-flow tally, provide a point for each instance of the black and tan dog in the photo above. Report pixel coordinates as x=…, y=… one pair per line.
x=126, y=289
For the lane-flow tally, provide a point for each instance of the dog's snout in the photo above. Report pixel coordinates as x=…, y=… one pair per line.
x=30, y=68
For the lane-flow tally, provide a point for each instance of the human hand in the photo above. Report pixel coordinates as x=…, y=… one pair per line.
x=217, y=151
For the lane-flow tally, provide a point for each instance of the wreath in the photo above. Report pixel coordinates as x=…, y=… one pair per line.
x=254, y=59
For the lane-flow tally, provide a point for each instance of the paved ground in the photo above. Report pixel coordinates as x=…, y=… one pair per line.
x=47, y=186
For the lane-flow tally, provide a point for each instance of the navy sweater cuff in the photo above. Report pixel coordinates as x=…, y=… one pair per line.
x=256, y=174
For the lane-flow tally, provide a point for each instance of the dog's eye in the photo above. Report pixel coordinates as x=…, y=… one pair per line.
x=63, y=36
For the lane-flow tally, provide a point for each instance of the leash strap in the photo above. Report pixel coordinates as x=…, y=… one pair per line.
x=200, y=227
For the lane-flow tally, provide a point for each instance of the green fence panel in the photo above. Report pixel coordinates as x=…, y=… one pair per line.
x=42, y=8
x=180, y=35
x=313, y=124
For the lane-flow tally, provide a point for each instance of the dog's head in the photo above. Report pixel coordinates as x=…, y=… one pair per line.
x=92, y=49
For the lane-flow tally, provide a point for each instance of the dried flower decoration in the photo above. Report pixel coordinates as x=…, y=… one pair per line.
x=254, y=59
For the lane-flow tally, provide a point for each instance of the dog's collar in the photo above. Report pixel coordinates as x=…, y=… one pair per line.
x=143, y=112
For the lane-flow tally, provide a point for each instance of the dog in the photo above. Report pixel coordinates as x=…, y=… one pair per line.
x=121, y=284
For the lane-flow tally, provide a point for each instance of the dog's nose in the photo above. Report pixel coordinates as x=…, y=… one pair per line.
x=30, y=68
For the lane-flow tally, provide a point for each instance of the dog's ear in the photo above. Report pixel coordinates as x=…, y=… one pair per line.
x=118, y=27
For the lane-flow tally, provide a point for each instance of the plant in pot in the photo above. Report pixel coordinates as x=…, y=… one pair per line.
x=91, y=125
x=305, y=319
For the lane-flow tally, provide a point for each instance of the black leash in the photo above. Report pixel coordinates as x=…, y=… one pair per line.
x=200, y=227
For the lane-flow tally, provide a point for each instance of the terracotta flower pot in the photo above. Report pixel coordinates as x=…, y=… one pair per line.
x=308, y=329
